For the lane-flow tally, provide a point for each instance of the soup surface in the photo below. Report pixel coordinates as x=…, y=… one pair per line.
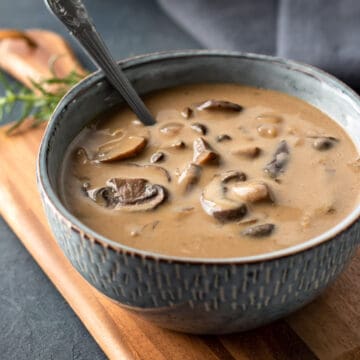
x=227, y=171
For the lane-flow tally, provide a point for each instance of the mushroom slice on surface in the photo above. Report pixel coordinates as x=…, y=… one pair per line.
x=102, y=196
x=178, y=144
x=223, y=137
x=157, y=157
x=249, y=191
x=323, y=142
x=203, y=153
x=219, y=105
x=259, y=230
x=187, y=113
x=135, y=194
x=121, y=149
x=128, y=194
x=279, y=160
x=249, y=152
x=189, y=176
x=215, y=203
x=200, y=128
x=232, y=175
x=174, y=145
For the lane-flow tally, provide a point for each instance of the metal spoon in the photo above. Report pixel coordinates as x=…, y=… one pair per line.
x=73, y=14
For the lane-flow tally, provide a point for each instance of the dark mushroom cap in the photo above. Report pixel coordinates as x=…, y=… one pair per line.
x=128, y=194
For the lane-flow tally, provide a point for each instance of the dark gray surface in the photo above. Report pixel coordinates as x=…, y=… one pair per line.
x=324, y=33
x=35, y=321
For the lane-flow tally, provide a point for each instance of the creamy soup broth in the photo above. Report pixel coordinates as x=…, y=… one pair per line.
x=259, y=173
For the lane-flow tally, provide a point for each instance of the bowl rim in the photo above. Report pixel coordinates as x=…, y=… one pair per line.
x=51, y=198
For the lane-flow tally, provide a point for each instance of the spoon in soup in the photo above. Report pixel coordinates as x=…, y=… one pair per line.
x=73, y=14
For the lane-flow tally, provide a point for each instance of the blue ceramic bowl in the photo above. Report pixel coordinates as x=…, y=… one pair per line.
x=188, y=294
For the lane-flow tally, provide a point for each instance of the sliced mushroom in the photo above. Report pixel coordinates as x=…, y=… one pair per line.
x=171, y=129
x=120, y=149
x=219, y=105
x=279, y=161
x=232, y=175
x=131, y=191
x=102, y=196
x=200, y=128
x=259, y=230
x=215, y=203
x=249, y=191
x=250, y=152
x=324, y=142
x=187, y=113
x=146, y=203
x=128, y=194
x=203, y=153
x=223, y=137
x=189, y=176
x=177, y=144
x=157, y=157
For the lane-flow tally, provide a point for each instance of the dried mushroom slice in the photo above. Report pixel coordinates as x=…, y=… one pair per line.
x=222, y=105
x=279, y=160
x=215, y=203
x=189, y=177
x=203, y=153
x=121, y=149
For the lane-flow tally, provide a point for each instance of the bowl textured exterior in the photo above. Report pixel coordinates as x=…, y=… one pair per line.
x=198, y=295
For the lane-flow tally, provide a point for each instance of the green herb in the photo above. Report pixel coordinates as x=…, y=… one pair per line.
x=35, y=105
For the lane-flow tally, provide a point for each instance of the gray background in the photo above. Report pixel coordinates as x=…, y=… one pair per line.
x=35, y=321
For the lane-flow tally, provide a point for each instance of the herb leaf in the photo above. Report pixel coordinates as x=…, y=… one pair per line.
x=36, y=105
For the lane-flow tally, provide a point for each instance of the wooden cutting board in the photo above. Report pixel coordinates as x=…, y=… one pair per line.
x=329, y=328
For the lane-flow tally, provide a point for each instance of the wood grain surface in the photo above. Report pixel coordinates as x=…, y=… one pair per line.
x=329, y=328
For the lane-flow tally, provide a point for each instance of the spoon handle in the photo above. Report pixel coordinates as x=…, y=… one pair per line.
x=73, y=14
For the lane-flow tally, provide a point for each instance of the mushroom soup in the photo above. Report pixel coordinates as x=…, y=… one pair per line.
x=227, y=171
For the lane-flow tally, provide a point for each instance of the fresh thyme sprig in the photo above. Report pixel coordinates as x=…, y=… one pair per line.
x=35, y=105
